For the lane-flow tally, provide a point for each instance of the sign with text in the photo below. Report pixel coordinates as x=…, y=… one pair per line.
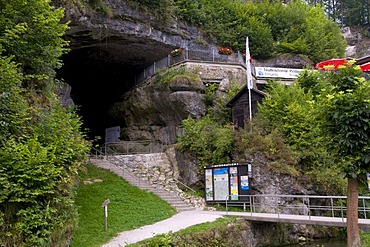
x=221, y=183
x=209, y=184
x=227, y=182
x=272, y=72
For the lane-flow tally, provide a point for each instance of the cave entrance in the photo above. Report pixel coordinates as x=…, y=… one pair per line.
x=101, y=73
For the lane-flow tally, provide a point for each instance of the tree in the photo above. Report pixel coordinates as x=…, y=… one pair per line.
x=41, y=143
x=345, y=109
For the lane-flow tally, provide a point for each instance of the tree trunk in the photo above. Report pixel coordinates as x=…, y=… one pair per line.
x=353, y=235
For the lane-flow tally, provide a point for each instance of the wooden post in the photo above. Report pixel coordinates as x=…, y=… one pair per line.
x=105, y=206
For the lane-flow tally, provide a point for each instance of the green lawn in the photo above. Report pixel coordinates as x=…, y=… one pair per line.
x=129, y=208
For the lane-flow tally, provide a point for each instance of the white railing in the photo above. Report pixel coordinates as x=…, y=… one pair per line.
x=328, y=206
x=132, y=147
x=190, y=55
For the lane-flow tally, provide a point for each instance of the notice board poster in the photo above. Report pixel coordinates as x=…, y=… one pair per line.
x=244, y=183
x=221, y=183
x=209, y=184
x=234, y=183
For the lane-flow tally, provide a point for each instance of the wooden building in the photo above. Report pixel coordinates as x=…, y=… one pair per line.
x=240, y=105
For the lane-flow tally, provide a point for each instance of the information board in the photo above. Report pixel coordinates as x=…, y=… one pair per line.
x=227, y=182
x=209, y=184
x=221, y=183
x=234, y=183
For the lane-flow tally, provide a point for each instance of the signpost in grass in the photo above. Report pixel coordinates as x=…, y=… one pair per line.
x=105, y=206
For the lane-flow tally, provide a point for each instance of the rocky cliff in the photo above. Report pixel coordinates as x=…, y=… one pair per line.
x=154, y=110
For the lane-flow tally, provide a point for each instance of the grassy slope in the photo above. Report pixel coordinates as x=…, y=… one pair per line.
x=129, y=208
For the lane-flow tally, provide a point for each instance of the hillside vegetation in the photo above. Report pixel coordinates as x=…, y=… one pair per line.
x=41, y=143
x=273, y=27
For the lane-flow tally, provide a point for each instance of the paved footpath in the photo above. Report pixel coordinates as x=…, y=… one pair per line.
x=177, y=222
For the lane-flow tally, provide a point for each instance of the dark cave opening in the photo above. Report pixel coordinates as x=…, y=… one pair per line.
x=96, y=84
x=99, y=76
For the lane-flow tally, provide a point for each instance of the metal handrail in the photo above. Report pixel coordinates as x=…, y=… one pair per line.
x=133, y=176
x=177, y=181
x=127, y=146
x=192, y=55
x=308, y=204
x=117, y=160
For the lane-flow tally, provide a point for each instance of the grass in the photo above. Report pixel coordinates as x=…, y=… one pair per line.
x=129, y=208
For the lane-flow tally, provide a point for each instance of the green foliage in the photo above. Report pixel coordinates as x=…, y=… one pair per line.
x=30, y=197
x=272, y=27
x=210, y=141
x=37, y=178
x=166, y=77
x=41, y=144
x=162, y=9
x=293, y=112
x=13, y=113
x=281, y=157
x=31, y=32
x=346, y=112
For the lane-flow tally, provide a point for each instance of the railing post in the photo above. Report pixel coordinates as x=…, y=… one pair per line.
x=154, y=68
x=213, y=54
x=168, y=60
x=250, y=204
x=363, y=204
x=226, y=205
x=332, y=207
x=309, y=209
x=341, y=209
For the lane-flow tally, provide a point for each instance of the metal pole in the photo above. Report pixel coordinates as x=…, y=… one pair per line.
x=309, y=209
x=226, y=205
x=250, y=204
x=341, y=209
x=332, y=207
x=363, y=204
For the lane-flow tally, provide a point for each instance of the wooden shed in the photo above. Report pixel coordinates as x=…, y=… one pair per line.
x=240, y=105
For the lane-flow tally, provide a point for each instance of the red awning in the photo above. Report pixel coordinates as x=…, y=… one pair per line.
x=365, y=67
x=330, y=64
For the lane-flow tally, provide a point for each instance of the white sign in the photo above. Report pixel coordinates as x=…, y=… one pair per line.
x=271, y=72
x=112, y=134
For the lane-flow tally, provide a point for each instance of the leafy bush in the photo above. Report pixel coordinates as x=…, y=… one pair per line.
x=295, y=28
x=41, y=143
x=211, y=142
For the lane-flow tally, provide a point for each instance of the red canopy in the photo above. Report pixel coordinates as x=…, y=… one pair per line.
x=365, y=67
x=330, y=64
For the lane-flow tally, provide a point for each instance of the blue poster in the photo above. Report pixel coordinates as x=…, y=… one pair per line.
x=244, y=183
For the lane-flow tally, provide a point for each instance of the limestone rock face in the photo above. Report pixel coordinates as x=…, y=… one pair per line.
x=358, y=40
x=129, y=35
x=150, y=113
x=294, y=61
x=154, y=110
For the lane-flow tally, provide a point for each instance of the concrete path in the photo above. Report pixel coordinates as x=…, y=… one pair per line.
x=177, y=222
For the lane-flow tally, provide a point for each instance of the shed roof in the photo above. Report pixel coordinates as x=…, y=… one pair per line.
x=241, y=92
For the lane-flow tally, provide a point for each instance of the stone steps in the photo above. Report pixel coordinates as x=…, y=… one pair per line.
x=142, y=183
